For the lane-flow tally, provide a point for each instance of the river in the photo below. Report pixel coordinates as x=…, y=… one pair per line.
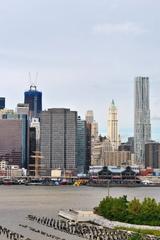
x=16, y=202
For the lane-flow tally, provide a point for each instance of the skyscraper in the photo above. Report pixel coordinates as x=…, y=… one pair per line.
x=11, y=142
x=89, y=116
x=82, y=146
x=32, y=150
x=34, y=98
x=152, y=154
x=2, y=102
x=58, y=130
x=113, y=133
x=94, y=125
x=142, y=126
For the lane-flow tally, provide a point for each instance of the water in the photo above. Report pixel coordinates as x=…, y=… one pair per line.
x=16, y=202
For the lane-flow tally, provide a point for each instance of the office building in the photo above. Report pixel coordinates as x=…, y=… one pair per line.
x=58, y=130
x=99, y=147
x=89, y=117
x=22, y=109
x=11, y=141
x=2, y=102
x=7, y=113
x=12, y=118
x=34, y=98
x=113, y=133
x=89, y=143
x=142, y=125
x=81, y=146
x=127, y=146
x=117, y=158
x=32, y=151
x=22, y=113
x=94, y=130
x=35, y=123
x=152, y=154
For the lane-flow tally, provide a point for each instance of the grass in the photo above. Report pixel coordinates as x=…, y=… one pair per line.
x=141, y=231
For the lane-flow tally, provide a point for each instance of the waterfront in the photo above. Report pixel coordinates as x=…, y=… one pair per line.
x=16, y=202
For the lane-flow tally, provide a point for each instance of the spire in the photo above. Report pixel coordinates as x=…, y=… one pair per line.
x=113, y=106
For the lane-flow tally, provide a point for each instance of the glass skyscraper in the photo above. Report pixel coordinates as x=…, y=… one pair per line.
x=81, y=146
x=34, y=98
x=2, y=102
x=142, y=125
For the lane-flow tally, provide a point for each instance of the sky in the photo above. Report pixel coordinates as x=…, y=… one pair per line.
x=86, y=53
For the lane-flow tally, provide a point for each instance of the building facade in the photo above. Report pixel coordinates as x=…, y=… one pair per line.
x=99, y=147
x=89, y=117
x=117, y=158
x=152, y=155
x=2, y=102
x=34, y=98
x=81, y=146
x=32, y=151
x=113, y=133
x=142, y=125
x=58, y=129
x=11, y=141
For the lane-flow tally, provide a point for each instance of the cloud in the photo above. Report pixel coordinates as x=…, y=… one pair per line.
x=120, y=28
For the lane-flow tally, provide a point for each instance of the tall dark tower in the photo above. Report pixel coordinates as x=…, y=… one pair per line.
x=2, y=102
x=34, y=98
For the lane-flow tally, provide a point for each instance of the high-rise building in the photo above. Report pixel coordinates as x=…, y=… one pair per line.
x=113, y=133
x=99, y=147
x=22, y=109
x=142, y=126
x=32, y=150
x=94, y=125
x=8, y=121
x=22, y=112
x=34, y=98
x=94, y=130
x=127, y=146
x=35, y=123
x=89, y=116
x=152, y=154
x=89, y=143
x=81, y=146
x=58, y=130
x=2, y=102
x=11, y=141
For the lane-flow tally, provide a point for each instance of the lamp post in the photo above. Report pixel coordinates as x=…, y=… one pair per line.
x=108, y=187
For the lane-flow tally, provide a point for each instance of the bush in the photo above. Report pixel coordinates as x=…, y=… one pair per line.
x=113, y=208
x=135, y=212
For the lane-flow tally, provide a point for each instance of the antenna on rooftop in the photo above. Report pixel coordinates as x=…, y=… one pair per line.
x=33, y=83
x=29, y=78
x=36, y=79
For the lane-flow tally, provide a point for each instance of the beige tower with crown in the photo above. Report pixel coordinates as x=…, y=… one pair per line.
x=113, y=132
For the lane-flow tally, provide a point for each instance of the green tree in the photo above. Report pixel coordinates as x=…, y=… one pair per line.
x=149, y=212
x=134, y=209
x=114, y=208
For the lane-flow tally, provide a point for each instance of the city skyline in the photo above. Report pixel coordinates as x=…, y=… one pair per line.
x=82, y=64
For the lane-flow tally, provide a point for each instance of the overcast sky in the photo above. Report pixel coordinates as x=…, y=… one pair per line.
x=86, y=53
